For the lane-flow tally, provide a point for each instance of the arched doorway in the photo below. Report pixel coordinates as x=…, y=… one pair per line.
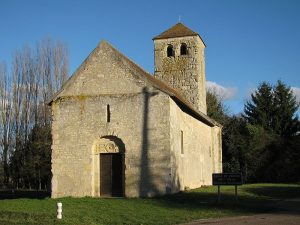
x=109, y=167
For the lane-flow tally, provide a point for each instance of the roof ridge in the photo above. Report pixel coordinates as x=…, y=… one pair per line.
x=77, y=71
x=147, y=77
x=165, y=88
x=178, y=30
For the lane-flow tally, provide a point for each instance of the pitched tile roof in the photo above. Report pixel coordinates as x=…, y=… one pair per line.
x=188, y=107
x=178, y=30
x=148, y=78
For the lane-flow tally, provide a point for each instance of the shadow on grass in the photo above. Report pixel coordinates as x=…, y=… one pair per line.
x=281, y=192
x=250, y=201
x=15, y=194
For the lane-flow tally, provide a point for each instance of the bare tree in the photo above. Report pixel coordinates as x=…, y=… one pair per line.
x=60, y=65
x=52, y=68
x=18, y=90
x=36, y=75
x=5, y=120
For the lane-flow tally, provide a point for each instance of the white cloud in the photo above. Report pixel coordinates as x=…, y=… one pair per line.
x=296, y=91
x=225, y=93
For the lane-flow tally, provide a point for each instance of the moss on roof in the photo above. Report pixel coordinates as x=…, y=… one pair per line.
x=178, y=30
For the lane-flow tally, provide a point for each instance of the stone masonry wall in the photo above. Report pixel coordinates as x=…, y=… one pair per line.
x=139, y=117
x=185, y=73
x=79, y=122
x=201, y=154
x=147, y=121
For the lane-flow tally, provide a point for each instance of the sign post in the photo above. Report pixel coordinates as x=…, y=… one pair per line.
x=227, y=179
x=219, y=196
x=236, y=198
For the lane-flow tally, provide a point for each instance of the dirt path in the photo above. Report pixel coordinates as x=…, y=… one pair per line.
x=290, y=215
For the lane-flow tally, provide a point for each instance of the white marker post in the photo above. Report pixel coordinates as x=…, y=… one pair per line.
x=59, y=210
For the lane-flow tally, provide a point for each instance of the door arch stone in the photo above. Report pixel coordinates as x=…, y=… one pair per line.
x=106, y=145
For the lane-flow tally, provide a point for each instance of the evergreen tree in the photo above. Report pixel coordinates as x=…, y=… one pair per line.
x=38, y=156
x=260, y=110
x=285, y=106
x=273, y=109
x=273, y=134
x=234, y=145
x=215, y=108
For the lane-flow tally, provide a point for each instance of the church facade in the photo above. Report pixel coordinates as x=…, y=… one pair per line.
x=120, y=131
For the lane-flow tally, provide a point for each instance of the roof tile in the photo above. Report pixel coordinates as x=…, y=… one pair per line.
x=178, y=30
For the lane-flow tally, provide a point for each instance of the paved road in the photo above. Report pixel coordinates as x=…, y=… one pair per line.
x=290, y=215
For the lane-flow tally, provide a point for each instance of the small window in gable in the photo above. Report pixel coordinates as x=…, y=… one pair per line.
x=170, y=51
x=107, y=114
x=183, y=49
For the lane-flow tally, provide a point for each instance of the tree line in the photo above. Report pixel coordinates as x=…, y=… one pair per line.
x=25, y=125
x=263, y=143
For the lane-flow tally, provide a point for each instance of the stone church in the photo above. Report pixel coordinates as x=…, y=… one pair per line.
x=120, y=131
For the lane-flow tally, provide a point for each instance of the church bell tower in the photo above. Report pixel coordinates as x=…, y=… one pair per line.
x=180, y=63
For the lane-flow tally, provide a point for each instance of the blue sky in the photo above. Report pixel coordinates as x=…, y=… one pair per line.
x=247, y=41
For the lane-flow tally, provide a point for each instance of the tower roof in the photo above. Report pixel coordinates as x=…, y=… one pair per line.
x=178, y=30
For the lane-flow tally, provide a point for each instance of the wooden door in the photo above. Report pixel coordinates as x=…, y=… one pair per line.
x=111, y=176
x=105, y=175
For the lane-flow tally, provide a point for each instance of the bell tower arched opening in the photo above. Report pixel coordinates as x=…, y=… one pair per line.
x=179, y=61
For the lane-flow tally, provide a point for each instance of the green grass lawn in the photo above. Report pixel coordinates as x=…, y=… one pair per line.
x=173, y=209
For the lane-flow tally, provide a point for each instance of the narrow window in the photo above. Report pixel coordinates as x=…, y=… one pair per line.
x=107, y=113
x=183, y=49
x=182, y=150
x=170, y=51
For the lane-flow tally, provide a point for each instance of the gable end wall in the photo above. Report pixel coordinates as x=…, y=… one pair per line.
x=80, y=121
